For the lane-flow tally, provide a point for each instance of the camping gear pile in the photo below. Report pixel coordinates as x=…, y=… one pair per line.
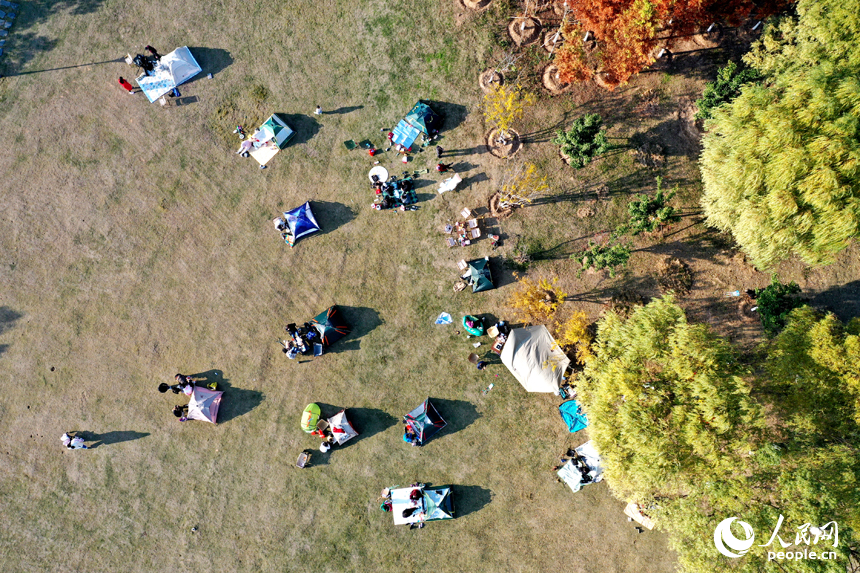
x=203, y=403
x=164, y=75
x=422, y=423
x=393, y=193
x=296, y=224
x=420, y=120
x=582, y=468
x=316, y=335
x=270, y=138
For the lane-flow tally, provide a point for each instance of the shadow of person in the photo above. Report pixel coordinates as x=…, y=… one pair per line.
x=115, y=437
x=330, y=215
x=362, y=320
x=342, y=110
x=459, y=414
x=470, y=499
x=212, y=60
x=304, y=125
x=235, y=401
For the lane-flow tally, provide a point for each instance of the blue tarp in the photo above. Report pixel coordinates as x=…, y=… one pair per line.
x=573, y=416
x=405, y=134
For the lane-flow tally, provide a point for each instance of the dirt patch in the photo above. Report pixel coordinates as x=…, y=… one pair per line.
x=475, y=4
x=503, y=150
x=624, y=302
x=676, y=277
x=490, y=79
x=551, y=80
x=649, y=154
x=690, y=128
x=524, y=31
x=587, y=210
x=648, y=103
x=746, y=312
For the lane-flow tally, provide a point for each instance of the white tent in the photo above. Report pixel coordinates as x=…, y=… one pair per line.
x=534, y=358
x=172, y=70
x=340, y=428
x=571, y=473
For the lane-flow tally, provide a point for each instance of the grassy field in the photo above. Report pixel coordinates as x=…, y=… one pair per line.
x=137, y=245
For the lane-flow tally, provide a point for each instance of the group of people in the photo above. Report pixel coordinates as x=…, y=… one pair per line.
x=393, y=193
x=416, y=507
x=146, y=63
x=301, y=341
x=184, y=385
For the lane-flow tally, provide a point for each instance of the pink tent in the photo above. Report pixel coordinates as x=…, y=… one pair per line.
x=204, y=404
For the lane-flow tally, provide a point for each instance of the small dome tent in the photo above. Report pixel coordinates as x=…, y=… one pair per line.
x=331, y=325
x=300, y=223
x=424, y=421
x=204, y=404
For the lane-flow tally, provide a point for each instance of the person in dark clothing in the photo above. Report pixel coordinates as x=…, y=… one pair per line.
x=181, y=412
x=439, y=151
x=154, y=52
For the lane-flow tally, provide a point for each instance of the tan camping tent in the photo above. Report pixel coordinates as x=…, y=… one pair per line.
x=534, y=358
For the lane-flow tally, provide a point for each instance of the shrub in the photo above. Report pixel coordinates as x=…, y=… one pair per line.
x=585, y=140
x=774, y=304
x=603, y=257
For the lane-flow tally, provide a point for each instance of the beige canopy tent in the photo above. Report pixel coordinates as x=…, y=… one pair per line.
x=534, y=358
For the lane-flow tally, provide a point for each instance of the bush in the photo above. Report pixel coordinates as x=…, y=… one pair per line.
x=585, y=140
x=774, y=304
x=536, y=301
x=599, y=257
x=725, y=88
x=649, y=214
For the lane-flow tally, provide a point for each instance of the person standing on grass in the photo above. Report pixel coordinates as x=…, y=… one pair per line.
x=154, y=52
x=128, y=87
x=443, y=167
x=318, y=111
x=439, y=151
x=73, y=443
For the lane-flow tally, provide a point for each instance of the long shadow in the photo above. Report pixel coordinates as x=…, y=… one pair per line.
x=453, y=114
x=116, y=61
x=115, y=437
x=235, y=401
x=8, y=318
x=362, y=320
x=501, y=274
x=342, y=110
x=212, y=60
x=459, y=414
x=331, y=215
x=304, y=125
x=477, y=150
x=547, y=133
x=841, y=300
x=470, y=499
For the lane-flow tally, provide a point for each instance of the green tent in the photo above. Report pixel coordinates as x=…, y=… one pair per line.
x=423, y=118
x=331, y=325
x=310, y=417
x=276, y=129
x=479, y=275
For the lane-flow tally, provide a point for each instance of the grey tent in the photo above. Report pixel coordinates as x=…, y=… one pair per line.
x=535, y=359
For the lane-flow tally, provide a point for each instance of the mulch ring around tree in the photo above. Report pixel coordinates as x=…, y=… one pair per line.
x=524, y=31
x=676, y=277
x=490, y=79
x=501, y=150
x=649, y=154
x=475, y=4
x=745, y=309
x=551, y=80
x=552, y=40
x=495, y=210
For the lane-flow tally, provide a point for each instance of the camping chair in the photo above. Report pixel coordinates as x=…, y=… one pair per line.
x=462, y=264
x=318, y=349
x=466, y=213
x=475, y=233
x=451, y=242
x=304, y=460
x=459, y=285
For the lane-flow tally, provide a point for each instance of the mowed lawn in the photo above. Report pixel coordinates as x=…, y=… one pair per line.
x=136, y=245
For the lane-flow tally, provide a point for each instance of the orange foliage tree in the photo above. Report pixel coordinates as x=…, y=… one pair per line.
x=627, y=33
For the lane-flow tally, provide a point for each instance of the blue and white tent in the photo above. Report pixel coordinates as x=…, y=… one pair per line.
x=572, y=414
x=300, y=223
x=172, y=70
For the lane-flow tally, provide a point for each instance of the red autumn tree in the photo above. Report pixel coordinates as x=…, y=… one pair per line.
x=627, y=33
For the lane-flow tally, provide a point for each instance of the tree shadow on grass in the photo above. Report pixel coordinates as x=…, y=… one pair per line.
x=115, y=437
x=235, y=401
x=331, y=215
x=470, y=499
x=304, y=125
x=8, y=318
x=459, y=414
x=453, y=114
x=841, y=300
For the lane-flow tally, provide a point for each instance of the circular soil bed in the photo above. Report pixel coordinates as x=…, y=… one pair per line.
x=490, y=79
x=709, y=39
x=505, y=150
x=551, y=80
x=605, y=80
x=495, y=210
x=524, y=31
x=475, y=4
x=551, y=42
x=675, y=277
x=746, y=312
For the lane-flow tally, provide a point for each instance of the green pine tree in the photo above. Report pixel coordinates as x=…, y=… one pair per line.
x=585, y=140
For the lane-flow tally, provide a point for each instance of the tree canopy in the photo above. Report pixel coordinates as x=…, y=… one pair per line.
x=628, y=32
x=781, y=162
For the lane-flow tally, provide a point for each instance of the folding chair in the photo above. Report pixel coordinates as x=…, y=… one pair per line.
x=466, y=213
x=318, y=349
x=472, y=223
x=451, y=242
x=462, y=265
x=304, y=460
x=475, y=233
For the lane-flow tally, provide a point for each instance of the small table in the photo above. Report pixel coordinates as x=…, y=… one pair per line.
x=380, y=171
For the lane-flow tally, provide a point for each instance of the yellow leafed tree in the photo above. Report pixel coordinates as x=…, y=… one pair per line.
x=504, y=105
x=573, y=334
x=536, y=301
x=521, y=184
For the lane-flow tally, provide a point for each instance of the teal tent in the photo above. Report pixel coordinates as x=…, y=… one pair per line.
x=423, y=118
x=573, y=416
x=277, y=130
x=331, y=325
x=479, y=275
x=434, y=504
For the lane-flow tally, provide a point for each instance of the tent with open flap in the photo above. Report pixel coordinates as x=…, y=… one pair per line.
x=535, y=359
x=340, y=428
x=204, y=404
x=433, y=504
x=331, y=325
x=424, y=421
x=584, y=468
x=270, y=138
x=300, y=223
x=170, y=71
x=478, y=275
